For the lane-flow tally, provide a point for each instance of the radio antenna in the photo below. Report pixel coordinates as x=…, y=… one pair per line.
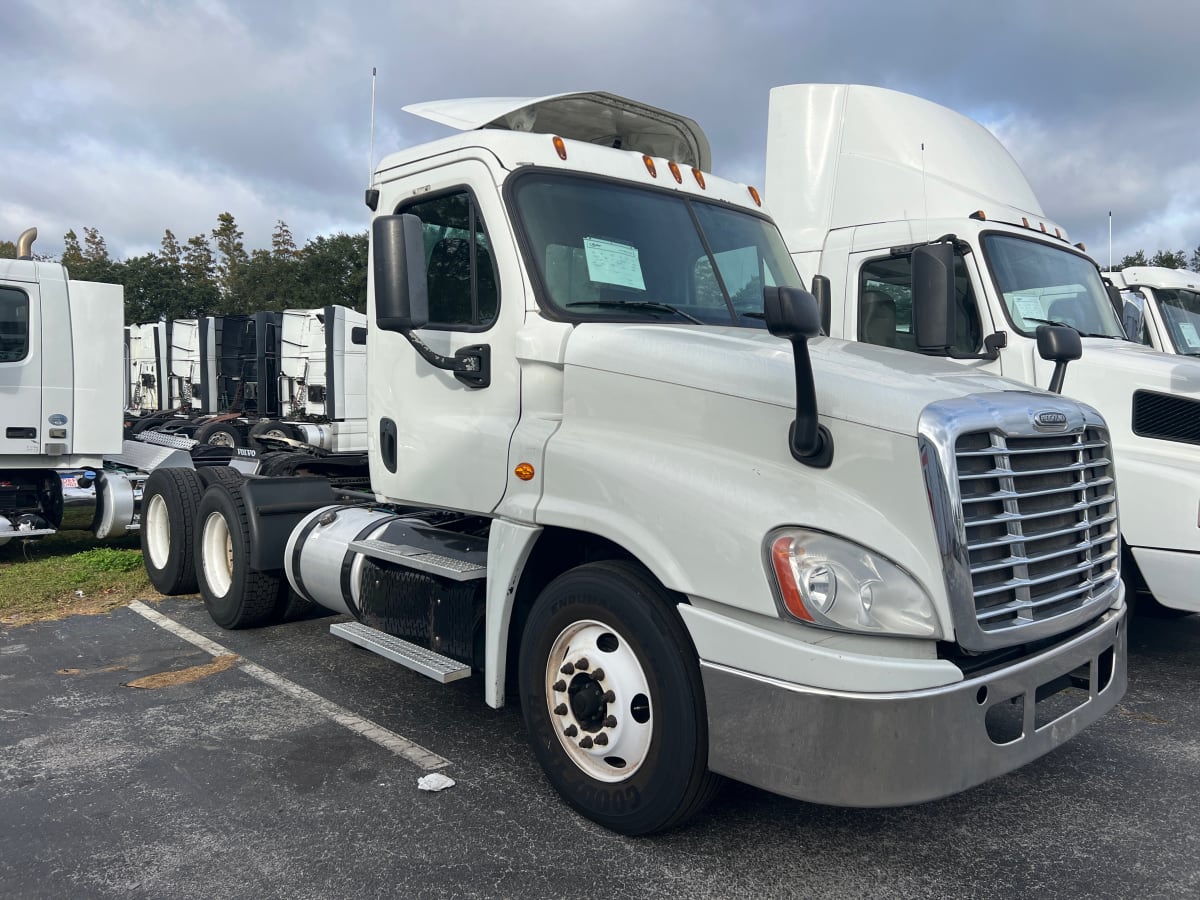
x=371, y=161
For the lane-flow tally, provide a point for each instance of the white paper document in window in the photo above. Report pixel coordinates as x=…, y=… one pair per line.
x=611, y=262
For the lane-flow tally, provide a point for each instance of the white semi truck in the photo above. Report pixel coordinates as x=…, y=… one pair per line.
x=690, y=544
x=930, y=239
x=61, y=386
x=1161, y=308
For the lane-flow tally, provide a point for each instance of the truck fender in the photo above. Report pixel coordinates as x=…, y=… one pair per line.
x=509, y=546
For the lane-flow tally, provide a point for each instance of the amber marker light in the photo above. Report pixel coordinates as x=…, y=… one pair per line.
x=650, y=166
x=1043, y=224
x=699, y=176
x=1024, y=221
x=675, y=173
x=978, y=215
x=754, y=193
x=524, y=471
x=561, y=146
x=781, y=560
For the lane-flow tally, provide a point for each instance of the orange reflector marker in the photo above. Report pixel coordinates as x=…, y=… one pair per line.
x=699, y=176
x=524, y=471
x=650, y=166
x=1043, y=224
x=1082, y=246
x=781, y=560
x=978, y=215
x=675, y=172
x=1058, y=234
x=1024, y=221
x=560, y=146
x=754, y=193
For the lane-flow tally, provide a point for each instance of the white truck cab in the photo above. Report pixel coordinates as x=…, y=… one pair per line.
x=922, y=222
x=61, y=386
x=616, y=472
x=1161, y=307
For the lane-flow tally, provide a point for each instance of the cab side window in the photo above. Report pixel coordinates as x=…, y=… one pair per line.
x=461, y=276
x=885, y=306
x=14, y=325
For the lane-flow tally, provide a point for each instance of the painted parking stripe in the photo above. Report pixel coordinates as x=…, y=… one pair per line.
x=389, y=740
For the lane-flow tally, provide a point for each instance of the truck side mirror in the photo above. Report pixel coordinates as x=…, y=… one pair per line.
x=1133, y=316
x=401, y=293
x=933, y=301
x=821, y=292
x=793, y=314
x=1059, y=345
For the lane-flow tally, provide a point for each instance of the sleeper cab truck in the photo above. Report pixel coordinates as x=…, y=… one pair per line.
x=928, y=238
x=617, y=474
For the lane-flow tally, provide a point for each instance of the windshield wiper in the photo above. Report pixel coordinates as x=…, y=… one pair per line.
x=637, y=304
x=1079, y=331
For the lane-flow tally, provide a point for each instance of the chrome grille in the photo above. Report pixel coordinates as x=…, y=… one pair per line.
x=1040, y=517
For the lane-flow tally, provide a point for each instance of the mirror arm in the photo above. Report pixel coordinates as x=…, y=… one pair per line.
x=810, y=442
x=470, y=365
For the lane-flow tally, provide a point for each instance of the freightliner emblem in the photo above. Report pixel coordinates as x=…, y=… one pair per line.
x=1050, y=420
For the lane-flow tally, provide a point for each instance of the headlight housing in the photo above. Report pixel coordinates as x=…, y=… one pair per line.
x=834, y=583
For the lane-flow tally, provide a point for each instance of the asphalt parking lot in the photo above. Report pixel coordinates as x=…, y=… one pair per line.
x=137, y=761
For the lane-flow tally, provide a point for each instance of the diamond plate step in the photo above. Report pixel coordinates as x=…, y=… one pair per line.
x=438, y=667
x=421, y=560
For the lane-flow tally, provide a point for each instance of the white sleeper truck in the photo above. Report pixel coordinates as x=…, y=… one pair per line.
x=61, y=386
x=617, y=474
x=1161, y=308
x=928, y=238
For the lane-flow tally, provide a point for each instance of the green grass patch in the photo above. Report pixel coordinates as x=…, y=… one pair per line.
x=67, y=574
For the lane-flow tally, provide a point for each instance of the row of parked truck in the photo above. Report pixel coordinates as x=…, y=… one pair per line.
x=827, y=506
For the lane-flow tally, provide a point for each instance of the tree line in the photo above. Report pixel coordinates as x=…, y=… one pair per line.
x=1168, y=259
x=214, y=274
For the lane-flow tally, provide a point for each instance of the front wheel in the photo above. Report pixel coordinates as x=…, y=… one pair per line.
x=613, y=701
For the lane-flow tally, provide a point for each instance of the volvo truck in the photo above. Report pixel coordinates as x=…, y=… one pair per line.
x=927, y=237
x=617, y=475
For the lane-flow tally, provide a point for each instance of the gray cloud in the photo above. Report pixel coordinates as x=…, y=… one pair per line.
x=135, y=117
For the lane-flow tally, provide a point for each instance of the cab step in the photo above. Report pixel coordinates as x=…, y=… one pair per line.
x=423, y=560
x=419, y=659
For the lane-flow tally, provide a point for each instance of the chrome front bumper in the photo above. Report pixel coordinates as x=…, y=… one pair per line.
x=857, y=749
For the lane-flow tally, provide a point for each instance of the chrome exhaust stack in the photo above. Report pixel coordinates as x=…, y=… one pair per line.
x=25, y=243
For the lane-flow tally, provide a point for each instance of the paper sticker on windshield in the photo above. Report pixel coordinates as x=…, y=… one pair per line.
x=1188, y=330
x=1028, y=307
x=610, y=262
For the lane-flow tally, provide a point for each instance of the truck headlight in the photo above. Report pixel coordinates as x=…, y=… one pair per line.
x=827, y=581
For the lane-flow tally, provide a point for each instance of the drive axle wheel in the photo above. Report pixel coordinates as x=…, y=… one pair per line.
x=169, y=501
x=613, y=701
x=234, y=595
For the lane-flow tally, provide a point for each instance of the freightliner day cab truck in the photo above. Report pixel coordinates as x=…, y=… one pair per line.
x=689, y=547
x=1161, y=308
x=931, y=240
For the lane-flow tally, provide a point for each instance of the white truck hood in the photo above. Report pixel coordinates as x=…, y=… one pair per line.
x=1111, y=369
x=860, y=383
x=595, y=117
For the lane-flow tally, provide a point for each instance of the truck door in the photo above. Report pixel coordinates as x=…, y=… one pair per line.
x=451, y=439
x=881, y=284
x=20, y=369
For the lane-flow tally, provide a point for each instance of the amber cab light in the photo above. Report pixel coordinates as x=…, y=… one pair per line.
x=675, y=173
x=650, y=166
x=754, y=193
x=561, y=146
x=699, y=176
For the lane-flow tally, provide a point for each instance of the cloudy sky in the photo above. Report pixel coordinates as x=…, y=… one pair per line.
x=133, y=116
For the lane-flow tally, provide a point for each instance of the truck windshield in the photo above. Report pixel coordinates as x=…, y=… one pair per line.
x=1043, y=285
x=1180, y=311
x=607, y=250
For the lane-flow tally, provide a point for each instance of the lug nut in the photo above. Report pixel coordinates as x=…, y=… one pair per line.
x=560, y=685
x=561, y=709
x=586, y=743
x=610, y=722
x=609, y=697
x=602, y=740
x=568, y=669
x=570, y=731
x=582, y=665
x=598, y=674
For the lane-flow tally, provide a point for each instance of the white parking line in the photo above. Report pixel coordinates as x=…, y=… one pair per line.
x=389, y=740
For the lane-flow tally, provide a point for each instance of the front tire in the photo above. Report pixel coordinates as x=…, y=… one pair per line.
x=613, y=701
x=234, y=595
